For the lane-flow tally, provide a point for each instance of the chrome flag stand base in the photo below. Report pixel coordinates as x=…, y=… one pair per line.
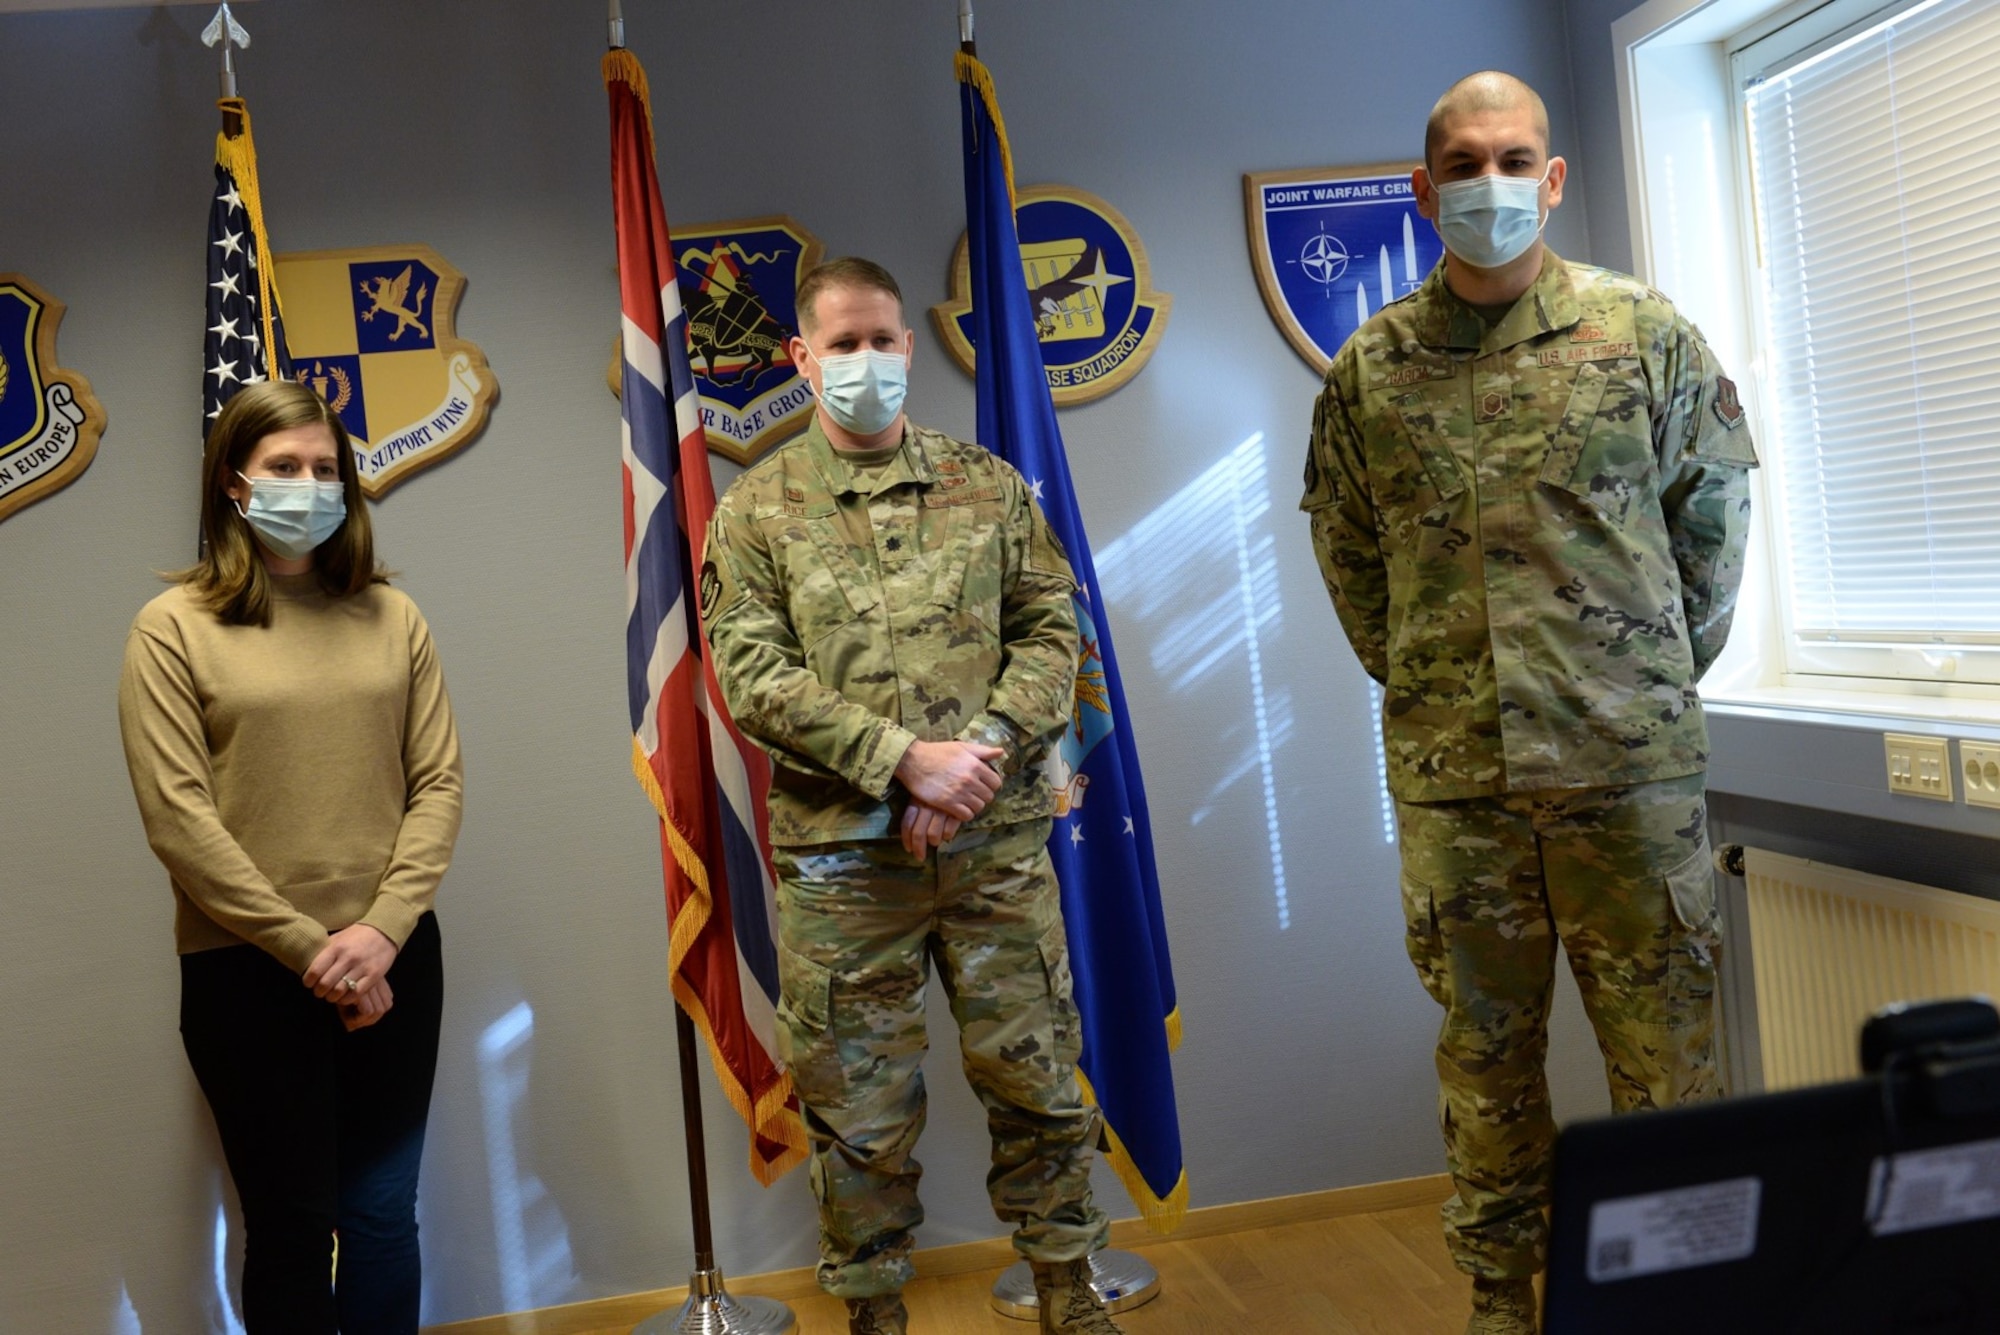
x=709, y=1310
x=1121, y=1280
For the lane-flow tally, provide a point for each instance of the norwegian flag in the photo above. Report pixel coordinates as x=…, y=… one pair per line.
x=245, y=338
x=706, y=781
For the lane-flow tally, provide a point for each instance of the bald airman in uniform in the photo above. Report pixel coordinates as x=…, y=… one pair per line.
x=1527, y=487
x=892, y=620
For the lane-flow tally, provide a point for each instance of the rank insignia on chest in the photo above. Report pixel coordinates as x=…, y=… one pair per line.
x=49, y=420
x=372, y=332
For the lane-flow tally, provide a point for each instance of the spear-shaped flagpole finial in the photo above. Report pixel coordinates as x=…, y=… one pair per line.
x=965, y=25
x=223, y=29
x=617, y=25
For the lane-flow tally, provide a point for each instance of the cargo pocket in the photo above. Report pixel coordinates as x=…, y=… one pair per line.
x=1423, y=939
x=805, y=1038
x=1067, y=1031
x=1696, y=939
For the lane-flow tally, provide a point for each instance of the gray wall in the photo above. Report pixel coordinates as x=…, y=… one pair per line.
x=554, y=1170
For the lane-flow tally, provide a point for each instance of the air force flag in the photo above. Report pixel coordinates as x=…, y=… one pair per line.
x=1103, y=843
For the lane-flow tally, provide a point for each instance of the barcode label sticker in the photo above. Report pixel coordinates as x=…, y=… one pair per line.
x=1931, y=1188
x=1673, y=1230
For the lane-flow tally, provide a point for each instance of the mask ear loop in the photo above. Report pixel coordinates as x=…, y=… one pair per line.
x=238, y=504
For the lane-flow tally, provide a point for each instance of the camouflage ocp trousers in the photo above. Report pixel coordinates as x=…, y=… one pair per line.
x=858, y=924
x=1621, y=876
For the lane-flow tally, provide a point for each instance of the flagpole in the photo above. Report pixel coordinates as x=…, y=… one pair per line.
x=225, y=31
x=710, y=1309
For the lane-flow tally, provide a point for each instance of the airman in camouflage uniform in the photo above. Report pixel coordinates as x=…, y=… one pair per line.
x=1528, y=494
x=882, y=599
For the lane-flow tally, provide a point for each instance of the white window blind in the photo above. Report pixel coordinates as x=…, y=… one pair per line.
x=1876, y=163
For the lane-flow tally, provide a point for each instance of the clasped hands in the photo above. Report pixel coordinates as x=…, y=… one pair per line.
x=351, y=971
x=949, y=784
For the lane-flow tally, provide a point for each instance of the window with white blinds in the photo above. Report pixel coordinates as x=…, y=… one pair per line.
x=1875, y=154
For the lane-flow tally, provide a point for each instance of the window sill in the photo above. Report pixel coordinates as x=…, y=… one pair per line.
x=1911, y=707
x=1822, y=749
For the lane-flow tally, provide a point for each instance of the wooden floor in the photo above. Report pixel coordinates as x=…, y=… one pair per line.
x=1383, y=1272
x=1374, y=1274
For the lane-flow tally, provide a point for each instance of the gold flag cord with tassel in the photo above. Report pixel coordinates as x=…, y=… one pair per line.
x=237, y=155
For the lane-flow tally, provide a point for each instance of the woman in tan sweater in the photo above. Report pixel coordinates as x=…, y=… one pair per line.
x=295, y=762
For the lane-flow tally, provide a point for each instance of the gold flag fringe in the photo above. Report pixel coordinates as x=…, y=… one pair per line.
x=1163, y=1214
x=238, y=157
x=970, y=71
x=767, y=1115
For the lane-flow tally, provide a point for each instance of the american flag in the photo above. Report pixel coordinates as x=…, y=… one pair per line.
x=706, y=781
x=245, y=339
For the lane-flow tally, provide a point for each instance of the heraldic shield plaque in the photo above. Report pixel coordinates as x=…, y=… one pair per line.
x=371, y=331
x=739, y=283
x=49, y=420
x=1096, y=314
x=739, y=286
x=1333, y=245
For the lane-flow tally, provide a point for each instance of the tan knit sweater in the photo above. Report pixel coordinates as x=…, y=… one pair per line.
x=295, y=778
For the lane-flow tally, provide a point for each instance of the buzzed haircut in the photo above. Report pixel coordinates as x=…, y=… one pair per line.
x=847, y=271
x=1488, y=90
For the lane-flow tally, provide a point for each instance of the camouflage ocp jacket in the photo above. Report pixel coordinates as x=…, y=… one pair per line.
x=856, y=603
x=1533, y=532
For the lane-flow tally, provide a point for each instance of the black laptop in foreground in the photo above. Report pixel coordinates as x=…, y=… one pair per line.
x=1872, y=1205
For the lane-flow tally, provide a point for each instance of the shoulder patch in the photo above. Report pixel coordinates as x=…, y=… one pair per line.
x=1046, y=554
x=1728, y=407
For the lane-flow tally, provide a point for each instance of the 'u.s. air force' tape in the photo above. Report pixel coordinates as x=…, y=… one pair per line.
x=1673, y=1230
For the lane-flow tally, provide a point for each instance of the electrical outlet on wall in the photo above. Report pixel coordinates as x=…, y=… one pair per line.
x=1918, y=766
x=1979, y=763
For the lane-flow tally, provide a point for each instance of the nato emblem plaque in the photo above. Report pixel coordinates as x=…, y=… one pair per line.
x=50, y=422
x=1333, y=245
x=371, y=330
x=1096, y=314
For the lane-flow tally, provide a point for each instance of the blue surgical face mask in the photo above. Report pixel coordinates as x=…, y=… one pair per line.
x=863, y=391
x=294, y=515
x=1490, y=221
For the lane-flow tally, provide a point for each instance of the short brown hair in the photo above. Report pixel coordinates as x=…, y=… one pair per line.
x=230, y=578
x=847, y=271
x=1488, y=90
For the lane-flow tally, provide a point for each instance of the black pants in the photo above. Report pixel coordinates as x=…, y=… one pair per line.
x=323, y=1131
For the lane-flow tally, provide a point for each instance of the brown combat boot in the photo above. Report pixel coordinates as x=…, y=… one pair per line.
x=1068, y=1304
x=1503, y=1307
x=884, y=1314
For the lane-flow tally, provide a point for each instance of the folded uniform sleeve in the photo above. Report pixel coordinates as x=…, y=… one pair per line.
x=166, y=753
